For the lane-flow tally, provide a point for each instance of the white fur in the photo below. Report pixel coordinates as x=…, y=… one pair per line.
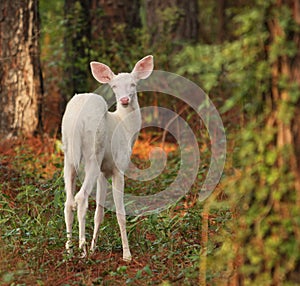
x=88, y=137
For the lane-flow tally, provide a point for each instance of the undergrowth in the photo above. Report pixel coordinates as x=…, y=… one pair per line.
x=165, y=246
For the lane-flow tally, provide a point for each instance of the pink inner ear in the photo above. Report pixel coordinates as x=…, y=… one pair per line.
x=101, y=72
x=145, y=63
x=143, y=68
x=106, y=78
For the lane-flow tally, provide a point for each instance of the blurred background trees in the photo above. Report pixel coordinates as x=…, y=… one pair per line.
x=244, y=54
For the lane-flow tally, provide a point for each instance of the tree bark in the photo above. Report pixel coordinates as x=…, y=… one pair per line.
x=295, y=77
x=20, y=71
x=288, y=68
x=286, y=92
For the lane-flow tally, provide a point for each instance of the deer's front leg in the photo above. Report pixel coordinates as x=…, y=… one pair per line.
x=118, y=195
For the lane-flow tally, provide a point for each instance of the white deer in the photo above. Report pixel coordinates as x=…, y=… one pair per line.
x=88, y=137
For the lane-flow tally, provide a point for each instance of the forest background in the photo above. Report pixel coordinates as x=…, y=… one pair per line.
x=244, y=54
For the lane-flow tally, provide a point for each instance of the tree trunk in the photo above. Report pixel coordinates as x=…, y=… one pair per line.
x=295, y=77
x=20, y=71
x=288, y=68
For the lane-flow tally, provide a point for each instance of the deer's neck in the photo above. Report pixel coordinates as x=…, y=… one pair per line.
x=130, y=116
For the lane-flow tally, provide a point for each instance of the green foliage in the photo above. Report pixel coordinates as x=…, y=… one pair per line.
x=260, y=246
x=254, y=233
x=262, y=194
x=236, y=70
x=169, y=19
x=31, y=227
x=51, y=40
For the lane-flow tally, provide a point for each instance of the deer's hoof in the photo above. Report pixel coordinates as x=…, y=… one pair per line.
x=127, y=258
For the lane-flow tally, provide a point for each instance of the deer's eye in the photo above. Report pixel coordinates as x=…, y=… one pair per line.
x=114, y=87
x=133, y=85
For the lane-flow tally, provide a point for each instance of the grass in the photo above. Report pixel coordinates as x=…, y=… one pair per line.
x=166, y=246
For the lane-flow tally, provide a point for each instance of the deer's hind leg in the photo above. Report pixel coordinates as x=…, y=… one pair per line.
x=92, y=171
x=70, y=206
x=100, y=202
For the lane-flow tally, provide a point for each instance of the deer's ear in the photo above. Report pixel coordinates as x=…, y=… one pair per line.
x=101, y=72
x=143, y=68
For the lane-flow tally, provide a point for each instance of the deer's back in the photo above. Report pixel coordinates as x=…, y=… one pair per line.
x=84, y=125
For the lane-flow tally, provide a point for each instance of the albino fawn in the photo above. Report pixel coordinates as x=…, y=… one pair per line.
x=88, y=137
